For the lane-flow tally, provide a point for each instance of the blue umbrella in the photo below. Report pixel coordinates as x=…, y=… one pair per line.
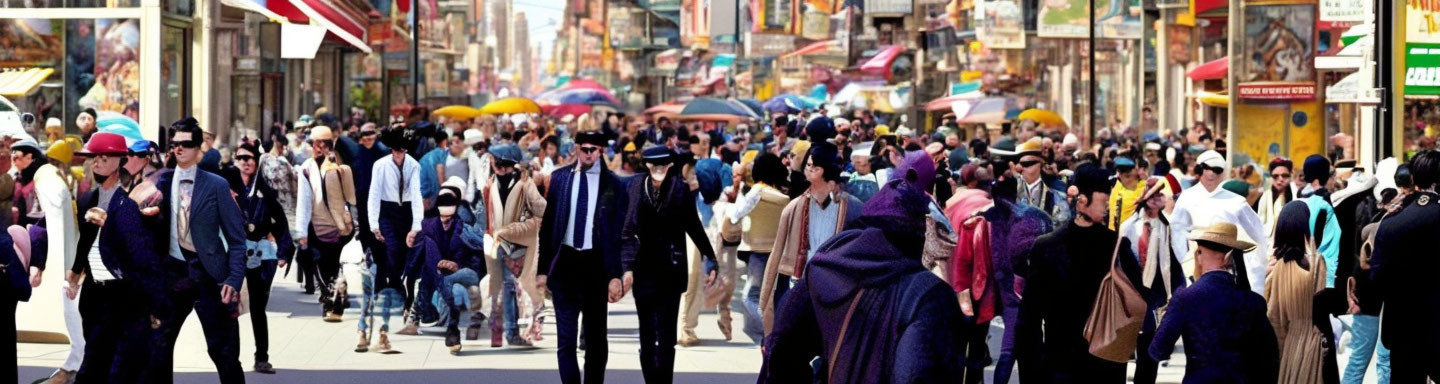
x=781, y=105
x=713, y=106
x=121, y=125
x=585, y=96
x=753, y=105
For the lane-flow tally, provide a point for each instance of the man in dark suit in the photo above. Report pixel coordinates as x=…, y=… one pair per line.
x=202, y=256
x=580, y=249
x=1403, y=270
x=124, y=293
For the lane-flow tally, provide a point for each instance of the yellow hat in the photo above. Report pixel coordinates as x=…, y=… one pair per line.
x=749, y=157
x=882, y=130
x=800, y=147
x=62, y=151
x=629, y=147
x=1031, y=147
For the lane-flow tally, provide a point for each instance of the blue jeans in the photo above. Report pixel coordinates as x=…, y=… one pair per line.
x=512, y=308
x=755, y=266
x=389, y=300
x=454, y=294
x=1365, y=334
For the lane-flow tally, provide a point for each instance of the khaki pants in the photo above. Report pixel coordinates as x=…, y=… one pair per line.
x=694, y=299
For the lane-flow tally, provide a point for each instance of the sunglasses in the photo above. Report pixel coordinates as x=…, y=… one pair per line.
x=1218, y=170
x=1029, y=163
x=589, y=149
x=185, y=144
x=244, y=158
x=1280, y=175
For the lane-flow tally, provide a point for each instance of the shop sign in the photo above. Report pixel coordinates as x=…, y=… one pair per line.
x=1000, y=24
x=888, y=7
x=1422, y=69
x=667, y=61
x=1343, y=10
x=1181, y=40
x=1071, y=19
x=816, y=25
x=1350, y=90
x=1280, y=53
x=1277, y=91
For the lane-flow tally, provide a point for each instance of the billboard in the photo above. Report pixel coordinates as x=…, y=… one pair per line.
x=1000, y=24
x=1422, y=49
x=1279, y=53
x=1117, y=19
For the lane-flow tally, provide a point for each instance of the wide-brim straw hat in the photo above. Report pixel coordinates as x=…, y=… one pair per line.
x=1224, y=234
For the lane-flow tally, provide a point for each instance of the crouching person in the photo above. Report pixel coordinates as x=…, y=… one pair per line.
x=450, y=261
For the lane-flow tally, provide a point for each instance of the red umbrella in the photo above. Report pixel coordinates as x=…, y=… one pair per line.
x=565, y=109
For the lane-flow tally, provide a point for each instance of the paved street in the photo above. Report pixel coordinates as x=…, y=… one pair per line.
x=306, y=349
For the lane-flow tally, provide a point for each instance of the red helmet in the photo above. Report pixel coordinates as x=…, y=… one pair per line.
x=105, y=143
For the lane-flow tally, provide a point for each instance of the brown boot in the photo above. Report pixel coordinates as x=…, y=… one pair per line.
x=688, y=341
x=332, y=317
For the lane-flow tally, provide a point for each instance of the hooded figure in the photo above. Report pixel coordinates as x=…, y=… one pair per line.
x=881, y=317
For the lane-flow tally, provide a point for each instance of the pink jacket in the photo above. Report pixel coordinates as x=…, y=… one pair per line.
x=970, y=266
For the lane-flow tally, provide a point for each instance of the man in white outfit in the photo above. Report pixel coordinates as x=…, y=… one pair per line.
x=1207, y=203
x=52, y=190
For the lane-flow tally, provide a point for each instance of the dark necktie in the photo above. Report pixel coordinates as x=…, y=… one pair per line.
x=582, y=205
x=400, y=173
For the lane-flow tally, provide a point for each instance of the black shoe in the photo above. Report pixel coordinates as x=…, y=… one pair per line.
x=264, y=367
x=452, y=340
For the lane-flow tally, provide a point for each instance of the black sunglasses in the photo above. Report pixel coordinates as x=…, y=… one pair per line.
x=1280, y=175
x=244, y=158
x=588, y=149
x=1217, y=170
x=185, y=144
x=1029, y=163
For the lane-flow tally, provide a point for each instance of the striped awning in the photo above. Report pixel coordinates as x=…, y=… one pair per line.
x=19, y=82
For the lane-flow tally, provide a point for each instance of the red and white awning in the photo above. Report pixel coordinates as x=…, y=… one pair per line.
x=320, y=12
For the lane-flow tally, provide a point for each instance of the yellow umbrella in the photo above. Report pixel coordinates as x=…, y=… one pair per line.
x=1041, y=116
x=458, y=112
x=510, y=106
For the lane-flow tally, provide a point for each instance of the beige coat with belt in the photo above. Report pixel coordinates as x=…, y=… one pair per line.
x=514, y=220
x=786, y=252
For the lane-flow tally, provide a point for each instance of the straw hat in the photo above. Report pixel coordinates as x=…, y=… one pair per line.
x=1223, y=234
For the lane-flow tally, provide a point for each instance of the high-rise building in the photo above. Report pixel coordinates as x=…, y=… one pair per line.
x=521, y=40
x=500, y=19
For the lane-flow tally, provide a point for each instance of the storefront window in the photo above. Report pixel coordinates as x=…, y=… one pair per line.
x=179, y=7
x=174, y=74
x=70, y=3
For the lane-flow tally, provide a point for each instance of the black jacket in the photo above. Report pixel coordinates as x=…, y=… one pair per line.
x=1403, y=271
x=124, y=247
x=653, y=238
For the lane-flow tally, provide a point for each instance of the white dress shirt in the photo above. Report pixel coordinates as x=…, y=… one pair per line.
x=384, y=186
x=176, y=194
x=592, y=181
x=1198, y=208
x=98, y=271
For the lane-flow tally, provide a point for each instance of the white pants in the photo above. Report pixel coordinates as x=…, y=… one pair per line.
x=76, y=330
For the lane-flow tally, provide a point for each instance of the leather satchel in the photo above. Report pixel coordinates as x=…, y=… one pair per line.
x=1117, y=315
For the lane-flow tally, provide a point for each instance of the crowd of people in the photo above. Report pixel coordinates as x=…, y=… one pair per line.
x=866, y=254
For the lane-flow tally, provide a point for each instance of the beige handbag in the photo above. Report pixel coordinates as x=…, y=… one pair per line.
x=1117, y=315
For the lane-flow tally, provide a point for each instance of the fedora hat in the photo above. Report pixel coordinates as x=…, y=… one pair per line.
x=1223, y=234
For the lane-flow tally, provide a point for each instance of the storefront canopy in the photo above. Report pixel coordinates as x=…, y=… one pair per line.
x=252, y=6
x=19, y=82
x=1351, y=57
x=816, y=48
x=1216, y=69
x=321, y=13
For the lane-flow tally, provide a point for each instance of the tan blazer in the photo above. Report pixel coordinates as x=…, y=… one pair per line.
x=787, y=247
x=516, y=221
